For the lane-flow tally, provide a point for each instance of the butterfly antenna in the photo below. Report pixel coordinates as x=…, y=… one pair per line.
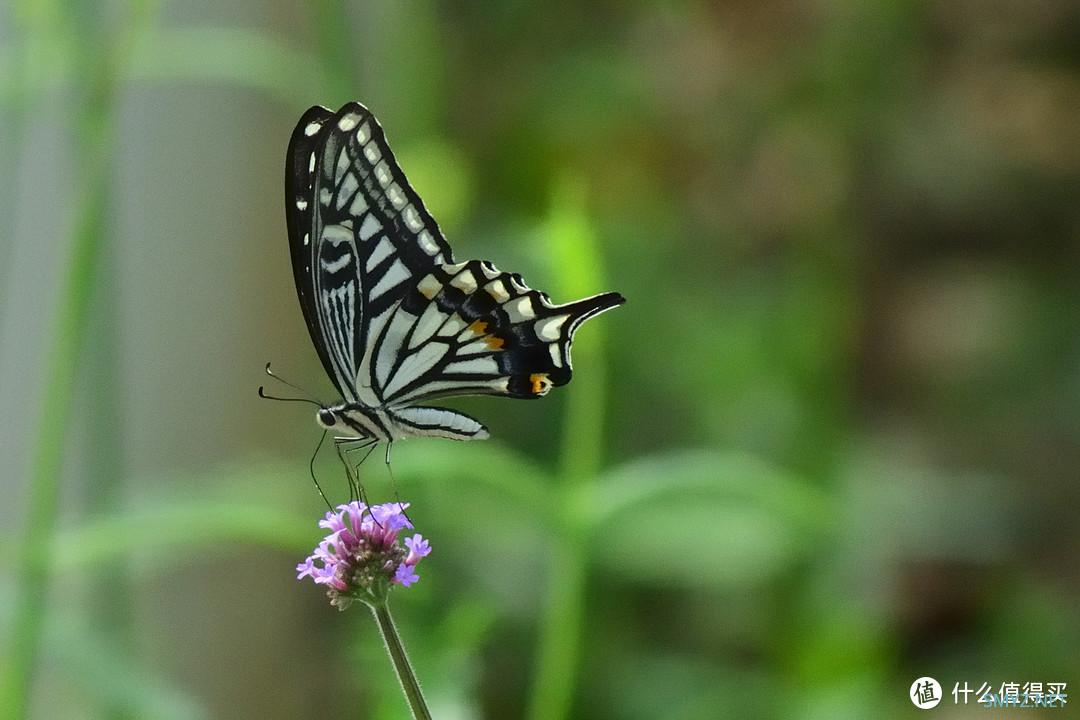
x=286, y=382
x=265, y=396
x=311, y=467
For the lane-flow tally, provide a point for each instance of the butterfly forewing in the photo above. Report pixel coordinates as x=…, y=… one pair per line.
x=299, y=210
x=360, y=237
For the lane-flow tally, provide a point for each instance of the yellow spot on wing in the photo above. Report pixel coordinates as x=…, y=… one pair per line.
x=540, y=383
x=429, y=287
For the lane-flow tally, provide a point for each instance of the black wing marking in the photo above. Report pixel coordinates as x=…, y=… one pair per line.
x=298, y=215
x=369, y=236
x=469, y=329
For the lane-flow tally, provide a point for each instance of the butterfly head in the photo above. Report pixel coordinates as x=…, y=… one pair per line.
x=326, y=418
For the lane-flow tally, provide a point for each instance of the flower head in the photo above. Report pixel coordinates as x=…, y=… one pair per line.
x=360, y=558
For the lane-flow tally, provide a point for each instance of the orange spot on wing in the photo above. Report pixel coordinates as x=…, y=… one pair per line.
x=479, y=327
x=494, y=342
x=539, y=382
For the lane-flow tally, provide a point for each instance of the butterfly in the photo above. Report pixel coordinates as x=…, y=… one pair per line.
x=394, y=319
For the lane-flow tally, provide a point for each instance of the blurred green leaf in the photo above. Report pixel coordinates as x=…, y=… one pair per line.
x=736, y=518
x=183, y=527
x=739, y=476
x=119, y=681
x=227, y=513
x=698, y=541
x=662, y=684
x=233, y=512
x=480, y=466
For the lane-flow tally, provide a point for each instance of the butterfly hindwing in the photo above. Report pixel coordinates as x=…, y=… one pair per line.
x=438, y=422
x=468, y=328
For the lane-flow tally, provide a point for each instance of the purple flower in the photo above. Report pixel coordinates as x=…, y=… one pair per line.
x=418, y=548
x=361, y=558
x=406, y=575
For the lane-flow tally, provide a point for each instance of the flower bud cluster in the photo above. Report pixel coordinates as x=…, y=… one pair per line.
x=361, y=558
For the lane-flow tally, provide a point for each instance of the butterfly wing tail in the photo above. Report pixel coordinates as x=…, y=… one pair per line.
x=539, y=356
x=590, y=307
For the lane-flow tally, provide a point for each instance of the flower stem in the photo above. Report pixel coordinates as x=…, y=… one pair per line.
x=396, y=650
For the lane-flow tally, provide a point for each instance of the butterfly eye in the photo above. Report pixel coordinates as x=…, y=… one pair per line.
x=327, y=418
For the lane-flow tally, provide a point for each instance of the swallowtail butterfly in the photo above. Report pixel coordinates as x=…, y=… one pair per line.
x=395, y=320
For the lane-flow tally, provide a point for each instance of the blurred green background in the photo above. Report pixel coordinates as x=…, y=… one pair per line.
x=829, y=445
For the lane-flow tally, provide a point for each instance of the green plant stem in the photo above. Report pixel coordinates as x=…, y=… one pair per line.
x=43, y=490
x=331, y=24
x=94, y=139
x=409, y=685
x=18, y=100
x=560, y=630
x=577, y=258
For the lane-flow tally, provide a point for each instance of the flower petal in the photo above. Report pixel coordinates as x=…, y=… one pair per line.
x=405, y=575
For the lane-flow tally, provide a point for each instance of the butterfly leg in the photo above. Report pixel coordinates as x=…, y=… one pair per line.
x=354, y=491
x=393, y=482
x=345, y=447
x=356, y=468
x=311, y=469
